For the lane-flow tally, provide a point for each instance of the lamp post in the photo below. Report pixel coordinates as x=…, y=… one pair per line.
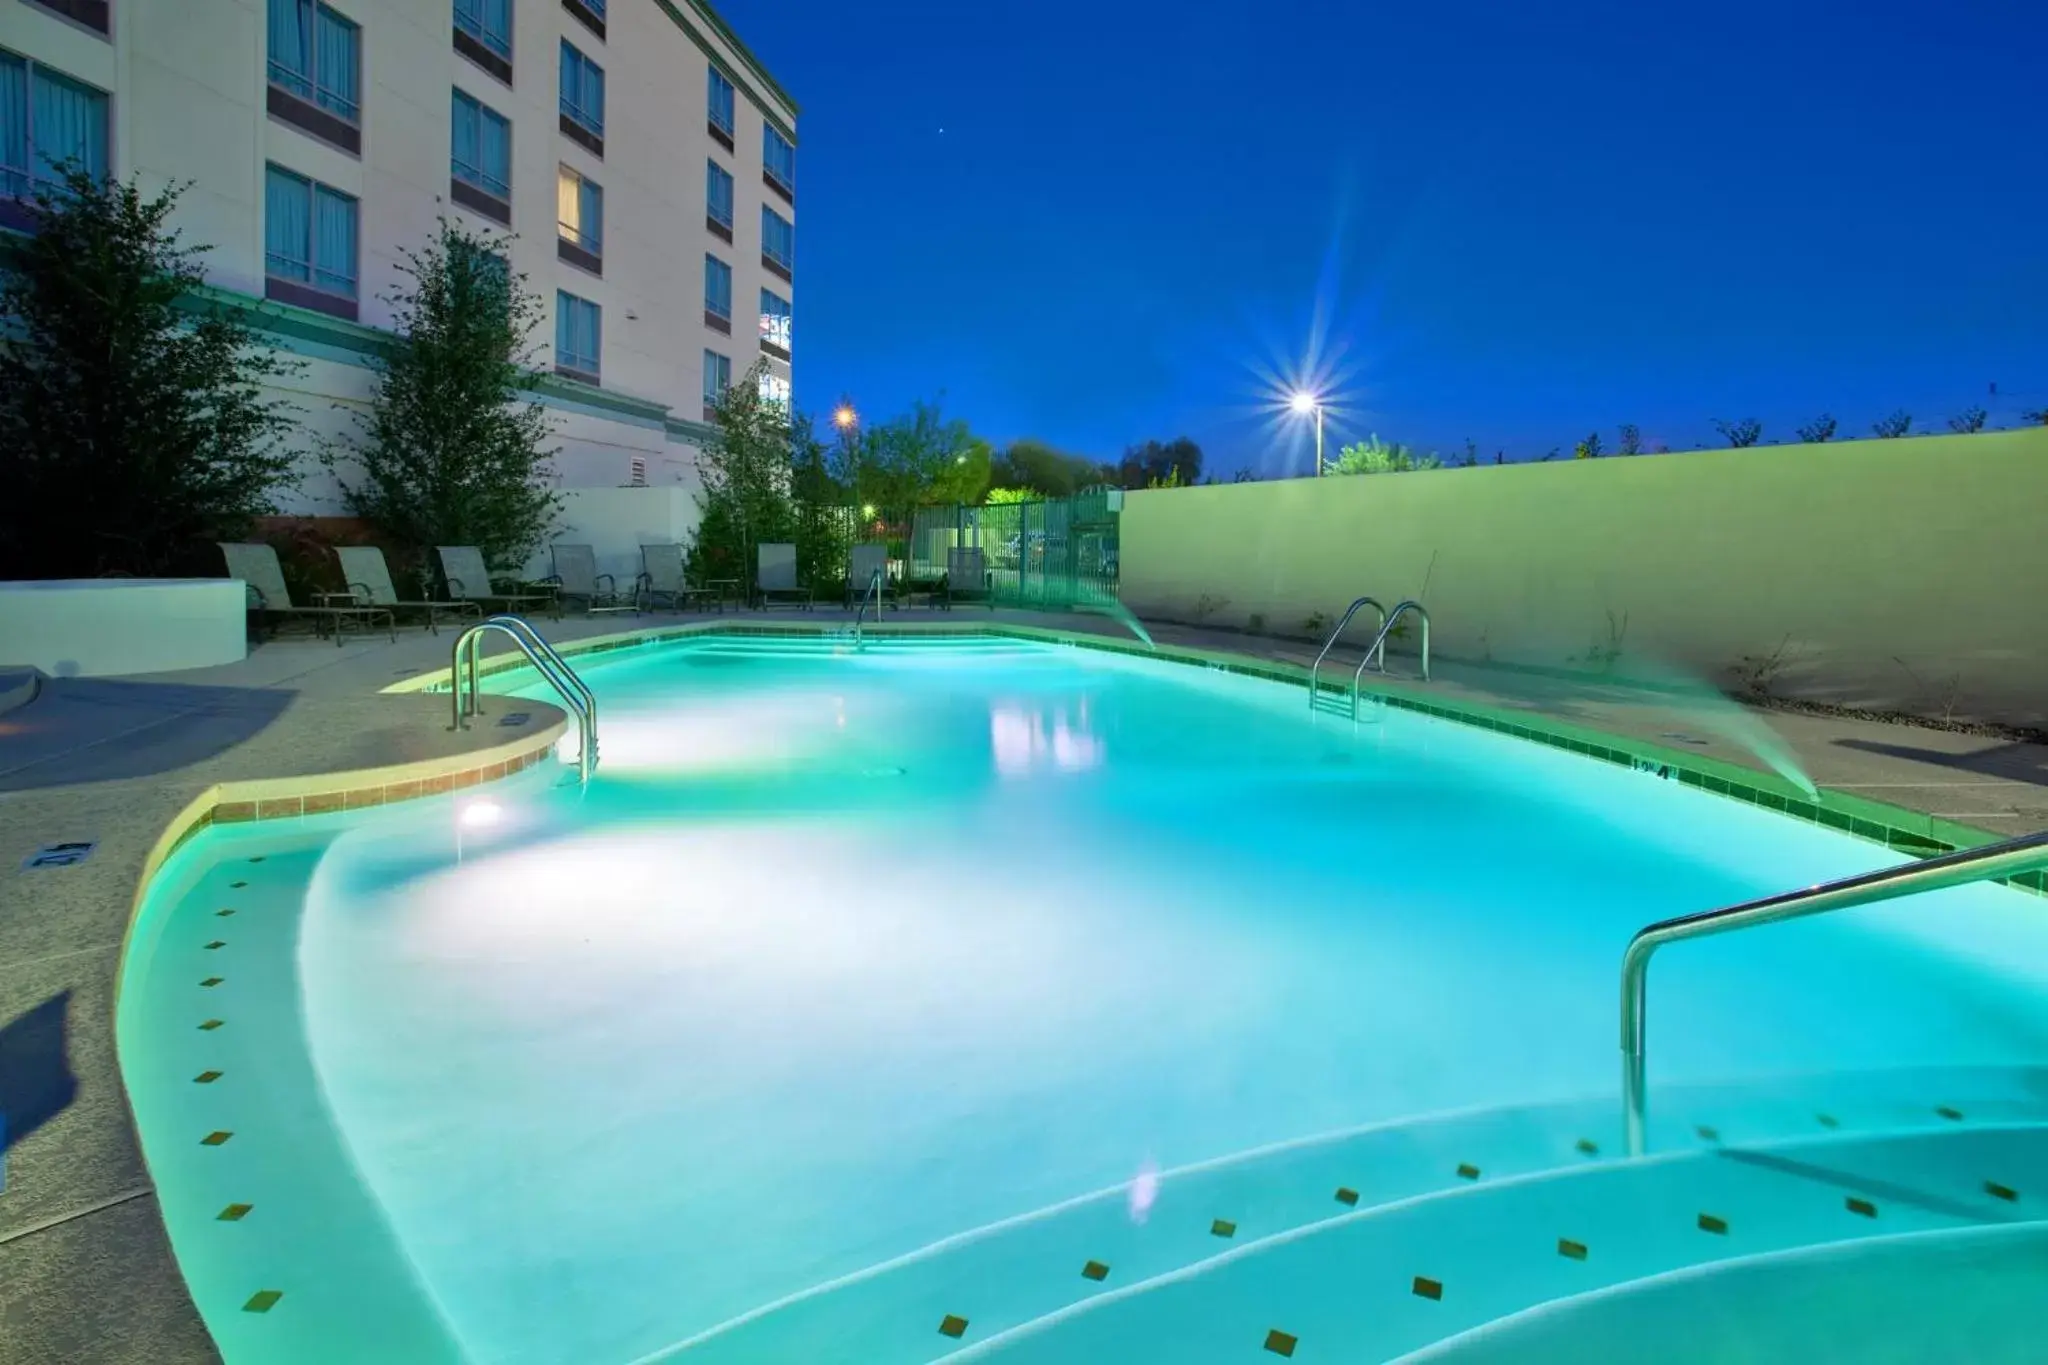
x=1304, y=403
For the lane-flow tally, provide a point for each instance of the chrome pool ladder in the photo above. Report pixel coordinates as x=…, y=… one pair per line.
x=2007, y=858
x=574, y=692
x=1376, y=652
x=1331, y=643
x=872, y=594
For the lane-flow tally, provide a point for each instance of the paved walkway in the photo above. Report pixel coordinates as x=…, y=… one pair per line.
x=86, y=1273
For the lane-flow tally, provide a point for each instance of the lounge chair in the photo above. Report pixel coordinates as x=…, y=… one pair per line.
x=966, y=576
x=576, y=576
x=865, y=561
x=662, y=577
x=256, y=565
x=462, y=566
x=775, y=576
x=370, y=579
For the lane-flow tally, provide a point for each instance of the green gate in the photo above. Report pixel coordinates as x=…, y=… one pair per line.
x=1048, y=556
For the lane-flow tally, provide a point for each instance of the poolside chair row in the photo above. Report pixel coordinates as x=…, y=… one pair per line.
x=775, y=576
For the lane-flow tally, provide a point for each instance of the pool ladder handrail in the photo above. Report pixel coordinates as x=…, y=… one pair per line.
x=874, y=594
x=1331, y=643
x=1379, y=645
x=574, y=692
x=2006, y=858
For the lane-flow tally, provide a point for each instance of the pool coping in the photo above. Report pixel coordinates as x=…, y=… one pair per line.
x=1903, y=830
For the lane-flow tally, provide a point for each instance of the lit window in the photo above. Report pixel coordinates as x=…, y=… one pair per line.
x=717, y=377
x=309, y=234
x=721, y=102
x=774, y=389
x=717, y=287
x=775, y=321
x=778, y=240
x=582, y=91
x=487, y=21
x=579, y=326
x=316, y=54
x=580, y=208
x=483, y=147
x=717, y=193
x=778, y=157
x=46, y=120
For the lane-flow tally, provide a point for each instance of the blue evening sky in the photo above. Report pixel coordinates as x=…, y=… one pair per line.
x=1508, y=220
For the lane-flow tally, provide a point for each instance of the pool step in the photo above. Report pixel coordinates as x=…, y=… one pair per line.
x=1385, y=1282
x=1028, y=1268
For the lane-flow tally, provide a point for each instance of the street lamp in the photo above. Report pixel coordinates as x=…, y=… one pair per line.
x=1303, y=402
x=845, y=418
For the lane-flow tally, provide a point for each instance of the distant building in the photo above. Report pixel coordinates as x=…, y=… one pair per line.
x=643, y=156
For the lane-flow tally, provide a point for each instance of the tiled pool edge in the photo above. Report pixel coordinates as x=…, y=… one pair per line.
x=1905, y=831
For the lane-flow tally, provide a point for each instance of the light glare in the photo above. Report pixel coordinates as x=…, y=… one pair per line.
x=481, y=814
x=1303, y=402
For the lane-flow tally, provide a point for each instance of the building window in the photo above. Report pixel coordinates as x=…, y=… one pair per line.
x=778, y=163
x=718, y=199
x=717, y=379
x=775, y=324
x=480, y=167
x=316, y=71
x=778, y=242
x=590, y=13
x=774, y=389
x=582, y=99
x=721, y=108
x=717, y=294
x=483, y=33
x=46, y=120
x=580, y=226
x=309, y=243
x=579, y=327
x=91, y=13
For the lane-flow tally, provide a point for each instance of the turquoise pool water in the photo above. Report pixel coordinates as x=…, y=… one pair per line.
x=843, y=956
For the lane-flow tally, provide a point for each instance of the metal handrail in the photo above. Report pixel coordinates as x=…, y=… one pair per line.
x=874, y=594
x=2006, y=858
x=546, y=662
x=1379, y=645
x=1331, y=643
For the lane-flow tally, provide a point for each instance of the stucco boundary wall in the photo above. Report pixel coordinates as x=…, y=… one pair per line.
x=1904, y=575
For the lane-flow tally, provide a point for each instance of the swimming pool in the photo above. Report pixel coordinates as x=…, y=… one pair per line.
x=867, y=1004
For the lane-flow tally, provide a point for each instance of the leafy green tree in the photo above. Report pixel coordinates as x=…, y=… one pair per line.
x=1374, y=456
x=746, y=472
x=1892, y=427
x=1819, y=431
x=134, y=420
x=921, y=458
x=1151, y=464
x=1036, y=466
x=2038, y=417
x=1968, y=420
x=453, y=449
x=1746, y=432
x=1631, y=442
x=1588, y=447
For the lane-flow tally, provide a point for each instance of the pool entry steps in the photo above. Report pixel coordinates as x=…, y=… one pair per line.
x=1375, y=653
x=574, y=692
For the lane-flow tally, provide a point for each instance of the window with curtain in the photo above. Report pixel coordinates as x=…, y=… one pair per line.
x=46, y=119
x=579, y=325
x=309, y=233
x=581, y=211
x=721, y=102
x=316, y=54
x=487, y=21
x=774, y=389
x=717, y=287
x=778, y=238
x=775, y=320
x=582, y=90
x=717, y=377
x=778, y=157
x=717, y=193
x=483, y=147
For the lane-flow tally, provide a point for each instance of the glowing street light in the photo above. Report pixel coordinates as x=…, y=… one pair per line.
x=845, y=418
x=1303, y=403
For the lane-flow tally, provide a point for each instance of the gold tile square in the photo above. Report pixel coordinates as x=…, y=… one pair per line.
x=216, y=945
x=262, y=1301
x=1468, y=1170
x=1347, y=1195
x=211, y=1024
x=1587, y=1146
x=1998, y=1191
x=1222, y=1227
x=1862, y=1206
x=1281, y=1343
x=1711, y=1223
x=1427, y=1288
x=1950, y=1113
x=1570, y=1250
x=953, y=1325
x=214, y=1139
x=206, y=1078
x=1707, y=1133
x=234, y=1213
x=1095, y=1270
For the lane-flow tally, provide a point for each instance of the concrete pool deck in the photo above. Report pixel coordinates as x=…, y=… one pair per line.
x=86, y=1272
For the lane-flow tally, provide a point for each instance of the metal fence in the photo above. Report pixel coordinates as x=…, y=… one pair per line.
x=1050, y=556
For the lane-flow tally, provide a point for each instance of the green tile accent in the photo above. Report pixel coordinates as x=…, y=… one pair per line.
x=214, y=1139
x=952, y=1325
x=1427, y=1288
x=1827, y=1120
x=216, y=945
x=1222, y=1227
x=1998, y=1191
x=1713, y=1224
x=212, y=981
x=1348, y=1195
x=263, y=1300
x=1707, y=1133
x=1095, y=1270
x=1952, y=1114
x=1587, y=1147
x=211, y=1024
x=1862, y=1206
x=1281, y=1343
x=234, y=1213
x=1468, y=1170
x=207, y=1077
x=1570, y=1250
x=223, y=913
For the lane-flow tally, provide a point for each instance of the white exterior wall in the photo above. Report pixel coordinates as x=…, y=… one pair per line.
x=188, y=82
x=615, y=523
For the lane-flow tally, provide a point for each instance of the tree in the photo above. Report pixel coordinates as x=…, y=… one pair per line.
x=2038, y=417
x=745, y=469
x=1892, y=427
x=1968, y=420
x=453, y=448
x=1036, y=466
x=1631, y=440
x=1374, y=456
x=1819, y=431
x=1150, y=465
x=1588, y=447
x=134, y=425
x=1739, y=434
x=921, y=458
